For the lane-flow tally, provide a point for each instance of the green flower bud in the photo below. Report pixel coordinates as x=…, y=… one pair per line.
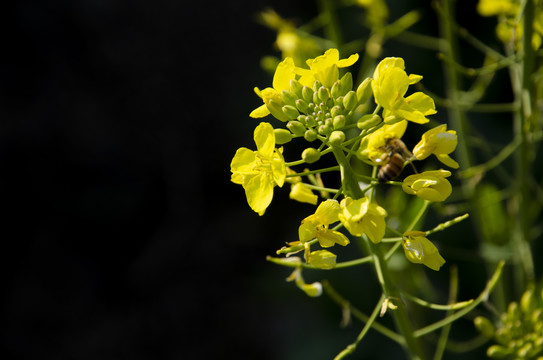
x=328, y=121
x=277, y=111
x=323, y=259
x=310, y=135
x=524, y=350
x=337, y=138
x=316, y=98
x=484, y=326
x=311, y=155
x=368, y=121
x=324, y=129
x=289, y=98
x=350, y=100
x=302, y=106
x=290, y=111
x=316, y=85
x=282, y=136
x=307, y=94
x=335, y=111
x=498, y=352
x=301, y=118
x=339, y=121
x=324, y=94
x=296, y=88
x=363, y=92
x=296, y=127
x=310, y=121
x=346, y=83
x=336, y=89
x=527, y=302
x=338, y=101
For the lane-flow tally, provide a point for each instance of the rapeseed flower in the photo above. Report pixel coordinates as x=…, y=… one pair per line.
x=440, y=142
x=419, y=250
x=373, y=146
x=390, y=83
x=316, y=225
x=259, y=171
x=271, y=96
x=363, y=217
x=325, y=68
x=429, y=185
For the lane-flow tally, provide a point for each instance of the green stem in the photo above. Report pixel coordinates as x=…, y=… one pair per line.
x=403, y=324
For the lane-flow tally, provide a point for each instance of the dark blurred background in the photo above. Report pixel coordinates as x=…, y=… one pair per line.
x=123, y=236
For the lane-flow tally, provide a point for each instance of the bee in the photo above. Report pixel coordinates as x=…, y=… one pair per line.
x=396, y=154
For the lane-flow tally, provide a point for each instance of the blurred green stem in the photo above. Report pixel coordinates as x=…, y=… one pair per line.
x=524, y=95
x=352, y=188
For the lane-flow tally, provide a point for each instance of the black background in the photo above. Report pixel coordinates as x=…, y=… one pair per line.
x=123, y=236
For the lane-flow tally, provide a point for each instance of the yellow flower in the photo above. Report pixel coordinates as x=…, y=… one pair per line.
x=259, y=171
x=390, y=83
x=497, y=7
x=272, y=96
x=325, y=68
x=316, y=225
x=302, y=193
x=430, y=185
x=440, y=142
x=373, y=146
x=362, y=217
x=420, y=250
x=323, y=259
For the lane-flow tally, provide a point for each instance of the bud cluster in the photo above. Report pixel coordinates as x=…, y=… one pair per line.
x=520, y=331
x=321, y=111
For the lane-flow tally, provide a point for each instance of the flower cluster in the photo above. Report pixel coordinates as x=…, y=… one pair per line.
x=519, y=332
x=509, y=29
x=317, y=104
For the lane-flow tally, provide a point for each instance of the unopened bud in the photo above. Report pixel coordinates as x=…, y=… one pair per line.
x=307, y=94
x=311, y=155
x=296, y=127
x=290, y=111
x=276, y=110
x=324, y=94
x=316, y=85
x=346, y=83
x=368, y=121
x=350, y=100
x=289, y=98
x=310, y=135
x=302, y=106
x=339, y=121
x=282, y=136
x=337, y=138
x=336, y=89
x=296, y=88
x=323, y=259
x=484, y=326
x=335, y=111
x=363, y=92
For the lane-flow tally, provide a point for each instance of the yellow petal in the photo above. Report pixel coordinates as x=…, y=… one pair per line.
x=259, y=192
x=265, y=139
x=260, y=112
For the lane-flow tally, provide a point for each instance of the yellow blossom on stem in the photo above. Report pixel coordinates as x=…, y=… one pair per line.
x=316, y=225
x=323, y=259
x=429, y=185
x=272, y=96
x=363, y=217
x=390, y=83
x=302, y=193
x=325, y=68
x=419, y=250
x=440, y=142
x=373, y=146
x=259, y=171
